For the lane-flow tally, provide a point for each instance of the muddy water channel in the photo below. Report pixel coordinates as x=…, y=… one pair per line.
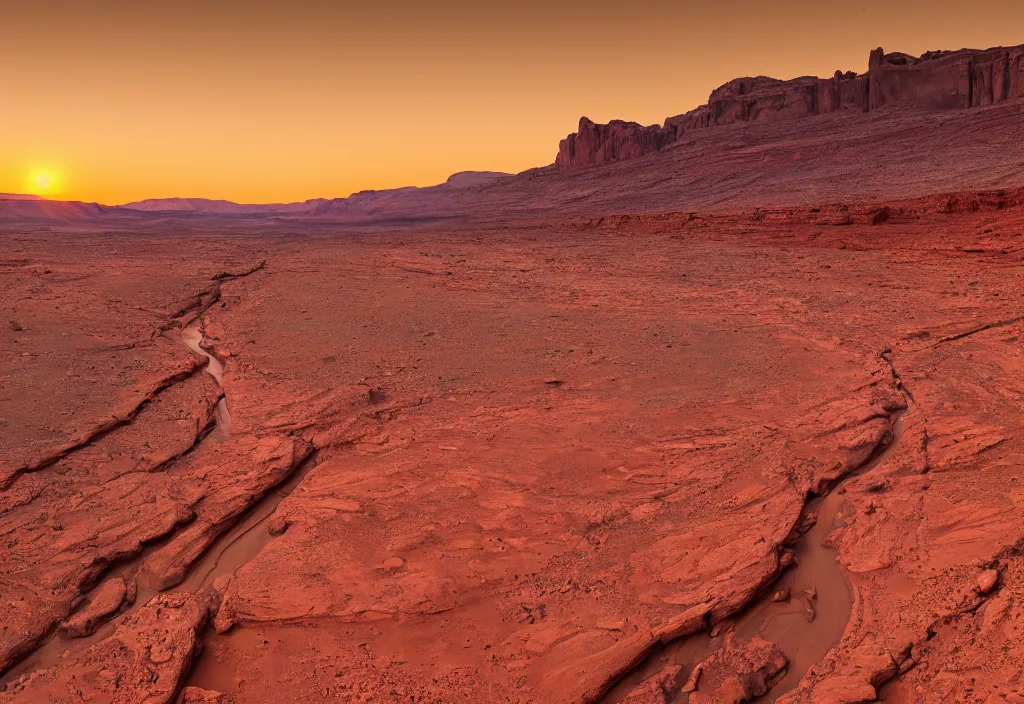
x=234, y=548
x=813, y=620
x=192, y=336
x=804, y=612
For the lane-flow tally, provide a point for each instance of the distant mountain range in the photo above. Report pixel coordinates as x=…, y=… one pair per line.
x=463, y=179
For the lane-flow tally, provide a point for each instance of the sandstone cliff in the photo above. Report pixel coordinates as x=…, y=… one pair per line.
x=938, y=80
x=599, y=144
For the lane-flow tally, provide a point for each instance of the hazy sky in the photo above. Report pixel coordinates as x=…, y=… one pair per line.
x=257, y=101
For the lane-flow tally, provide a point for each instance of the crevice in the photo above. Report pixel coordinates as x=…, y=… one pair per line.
x=240, y=544
x=45, y=650
x=228, y=276
x=201, y=434
x=617, y=687
x=969, y=605
x=102, y=430
x=391, y=412
x=38, y=650
x=886, y=356
x=201, y=302
x=975, y=331
x=207, y=298
x=210, y=563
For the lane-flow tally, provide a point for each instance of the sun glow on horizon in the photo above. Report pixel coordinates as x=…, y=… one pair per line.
x=43, y=182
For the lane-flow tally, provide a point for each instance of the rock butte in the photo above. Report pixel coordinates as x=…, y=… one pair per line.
x=738, y=419
x=938, y=80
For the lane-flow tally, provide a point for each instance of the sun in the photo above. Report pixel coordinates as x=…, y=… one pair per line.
x=42, y=182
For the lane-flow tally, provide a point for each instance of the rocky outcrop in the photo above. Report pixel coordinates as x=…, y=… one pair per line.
x=945, y=80
x=765, y=99
x=938, y=80
x=145, y=660
x=106, y=601
x=618, y=140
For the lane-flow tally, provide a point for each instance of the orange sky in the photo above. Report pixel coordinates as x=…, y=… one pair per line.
x=260, y=102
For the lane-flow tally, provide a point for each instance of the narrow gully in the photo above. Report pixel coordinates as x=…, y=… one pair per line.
x=230, y=551
x=806, y=626
x=192, y=336
x=56, y=647
x=237, y=546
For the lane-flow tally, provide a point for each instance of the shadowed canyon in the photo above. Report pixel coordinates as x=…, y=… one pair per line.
x=728, y=409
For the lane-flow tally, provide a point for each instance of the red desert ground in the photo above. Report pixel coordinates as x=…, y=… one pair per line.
x=724, y=410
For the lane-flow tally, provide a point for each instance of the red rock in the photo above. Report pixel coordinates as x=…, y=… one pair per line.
x=693, y=680
x=987, y=581
x=601, y=144
x=650, y=693
x=843, y=690
x=670, y=680
x=738, y=672
x=392, y=563
x=145, y=659
x=934, y=81
x=107, y=600
x=590, y=677
x=687, y=623
x=197, y=695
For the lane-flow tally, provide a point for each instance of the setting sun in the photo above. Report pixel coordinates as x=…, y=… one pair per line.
x=42, y=182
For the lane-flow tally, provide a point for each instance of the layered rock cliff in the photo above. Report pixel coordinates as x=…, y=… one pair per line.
x=599, y=144
x=938, y=80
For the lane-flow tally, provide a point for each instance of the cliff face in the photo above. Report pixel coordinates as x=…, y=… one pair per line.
x=944, y=80
x=599, y=144
x=763, y=98
x=938, y=80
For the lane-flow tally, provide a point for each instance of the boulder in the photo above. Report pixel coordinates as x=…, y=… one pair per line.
x=105, y=602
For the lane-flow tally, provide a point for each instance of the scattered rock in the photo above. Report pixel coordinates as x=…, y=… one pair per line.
x=392, y=564
x=843, y=690
x=987, y=581
x=196, y=695
x=145, y=659
x=739, y=672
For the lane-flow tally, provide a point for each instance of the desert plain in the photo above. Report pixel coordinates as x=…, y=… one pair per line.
x=730, y=416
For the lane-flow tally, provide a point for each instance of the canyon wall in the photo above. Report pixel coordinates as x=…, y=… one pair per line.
x=938, y=80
